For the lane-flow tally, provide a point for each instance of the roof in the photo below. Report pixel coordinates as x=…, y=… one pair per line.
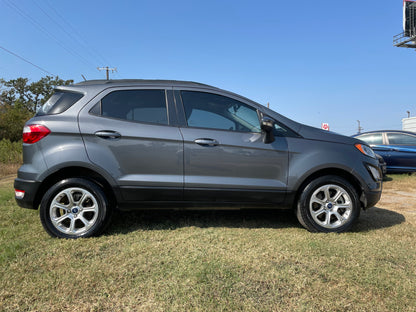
x=378, y=131
x=122, y=82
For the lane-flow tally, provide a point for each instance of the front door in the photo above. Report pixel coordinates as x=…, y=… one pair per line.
x=225, y=157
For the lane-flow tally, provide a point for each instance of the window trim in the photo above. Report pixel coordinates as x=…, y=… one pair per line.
x=111, y=90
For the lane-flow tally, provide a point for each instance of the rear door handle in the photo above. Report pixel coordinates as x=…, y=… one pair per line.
x=108, y=135
x=206, y=142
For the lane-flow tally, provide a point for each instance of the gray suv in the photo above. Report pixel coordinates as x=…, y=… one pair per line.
x=97, y=146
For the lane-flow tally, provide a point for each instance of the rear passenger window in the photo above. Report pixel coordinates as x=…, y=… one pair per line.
x=401, y=139
x=147, y=106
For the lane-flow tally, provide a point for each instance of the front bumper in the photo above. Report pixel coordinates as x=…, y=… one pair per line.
x=30, y=188
x=371, y=195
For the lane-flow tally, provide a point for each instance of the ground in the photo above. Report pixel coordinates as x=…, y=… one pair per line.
x=213, y=261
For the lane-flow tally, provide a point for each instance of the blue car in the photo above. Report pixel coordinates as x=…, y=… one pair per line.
x=398, y=148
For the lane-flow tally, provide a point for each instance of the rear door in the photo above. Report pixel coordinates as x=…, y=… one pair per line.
x=403, y=151
x=131, y=133
x=225, y=158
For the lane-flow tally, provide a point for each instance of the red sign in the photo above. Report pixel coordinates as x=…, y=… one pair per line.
x=325, y=126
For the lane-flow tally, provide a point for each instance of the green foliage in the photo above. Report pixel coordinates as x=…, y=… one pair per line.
x=10, y=152
x=12, y=120
x=19, y=92
x=20, y=99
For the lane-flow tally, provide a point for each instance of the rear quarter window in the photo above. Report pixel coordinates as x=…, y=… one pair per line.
x=59, y=102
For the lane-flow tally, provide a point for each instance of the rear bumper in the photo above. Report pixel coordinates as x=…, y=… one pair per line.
x=30, y=188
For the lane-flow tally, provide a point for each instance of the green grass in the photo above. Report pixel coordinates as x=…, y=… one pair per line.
x=208, y=261
x=10, y=152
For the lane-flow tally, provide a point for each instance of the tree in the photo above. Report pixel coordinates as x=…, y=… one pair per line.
x=19, y=101
x=29, y=96
x=12, y=120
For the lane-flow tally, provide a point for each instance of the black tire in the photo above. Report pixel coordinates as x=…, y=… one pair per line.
x=319, y=210
x=74, y=208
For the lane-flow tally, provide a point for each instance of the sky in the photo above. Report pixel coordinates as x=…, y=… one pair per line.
x=314, y=61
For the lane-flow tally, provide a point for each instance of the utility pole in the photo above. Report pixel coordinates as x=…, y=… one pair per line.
x=359, y=127
x=107, y=69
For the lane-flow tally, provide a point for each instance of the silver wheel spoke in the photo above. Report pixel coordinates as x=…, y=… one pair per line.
x=83, y=197
x=326, y=192
x=60, y=219
x=85, y=221
x=338, y=195
x=327, y=219
x=72, y=226
x=318, y=212
x=318, y=201
x=89, y=209
x=338, y=216
x=69, y=196
x=60, y=206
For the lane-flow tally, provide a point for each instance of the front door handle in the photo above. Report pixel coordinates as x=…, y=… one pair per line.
x=206, y=142
x=108, y=135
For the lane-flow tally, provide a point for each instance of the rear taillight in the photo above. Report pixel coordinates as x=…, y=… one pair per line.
x=19, y=194
x=34, y=133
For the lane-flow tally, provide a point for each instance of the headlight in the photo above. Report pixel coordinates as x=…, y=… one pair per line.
x=366, y=150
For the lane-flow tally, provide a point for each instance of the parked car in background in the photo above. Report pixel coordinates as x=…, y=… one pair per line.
x=100, y=145
x=398, y=148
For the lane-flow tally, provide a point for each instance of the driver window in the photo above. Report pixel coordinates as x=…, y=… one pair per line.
x=208, y=110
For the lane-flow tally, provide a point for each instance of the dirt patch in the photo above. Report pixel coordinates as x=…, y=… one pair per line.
x=8, y=179
x=402, y=201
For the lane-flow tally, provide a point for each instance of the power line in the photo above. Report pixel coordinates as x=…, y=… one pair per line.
x=23, y=59
x=82, y=40
x=39, y=26
x=64, y=30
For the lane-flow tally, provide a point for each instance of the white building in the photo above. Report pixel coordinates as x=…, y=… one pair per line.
x=409, y=124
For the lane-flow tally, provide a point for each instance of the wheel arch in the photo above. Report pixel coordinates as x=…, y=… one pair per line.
x=76, y=172
x=348, y=176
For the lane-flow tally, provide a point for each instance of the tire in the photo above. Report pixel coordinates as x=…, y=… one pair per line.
x=328, y=204
x=74, y=208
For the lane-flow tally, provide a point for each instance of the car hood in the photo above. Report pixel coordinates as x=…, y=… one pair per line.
x=312, y=133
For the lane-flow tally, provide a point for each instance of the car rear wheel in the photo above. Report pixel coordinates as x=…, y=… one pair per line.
x=328, y=204
x=74, y=208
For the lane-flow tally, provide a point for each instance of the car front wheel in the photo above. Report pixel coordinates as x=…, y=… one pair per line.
x=328, y=204
x=74, y=208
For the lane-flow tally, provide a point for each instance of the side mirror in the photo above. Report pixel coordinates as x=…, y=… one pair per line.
x=267, y=125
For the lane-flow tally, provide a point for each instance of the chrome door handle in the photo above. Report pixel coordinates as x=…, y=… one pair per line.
x=206, y=142
x=108, y=135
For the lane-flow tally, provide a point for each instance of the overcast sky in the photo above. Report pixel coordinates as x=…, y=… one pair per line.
x=314, y=61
